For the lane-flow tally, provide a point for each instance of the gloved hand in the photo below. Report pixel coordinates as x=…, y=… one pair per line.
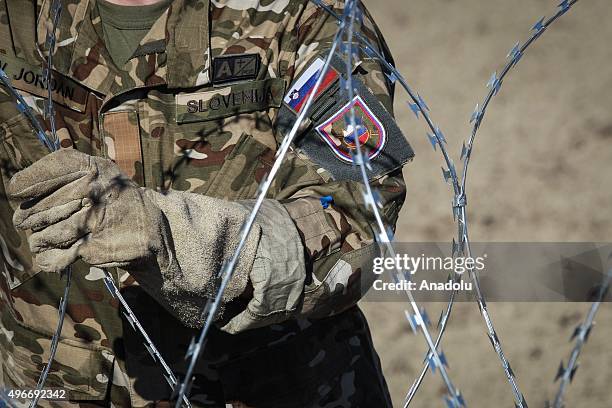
x=82, y=207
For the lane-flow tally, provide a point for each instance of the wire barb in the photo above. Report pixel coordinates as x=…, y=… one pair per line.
x=581, y=336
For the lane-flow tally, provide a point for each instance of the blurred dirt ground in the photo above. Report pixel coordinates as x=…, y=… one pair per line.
x=540, y=172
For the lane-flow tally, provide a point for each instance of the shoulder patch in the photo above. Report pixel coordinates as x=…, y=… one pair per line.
x=329, y=140
x=339, y=134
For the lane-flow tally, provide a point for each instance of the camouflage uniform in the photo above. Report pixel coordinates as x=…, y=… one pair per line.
x=198, y=108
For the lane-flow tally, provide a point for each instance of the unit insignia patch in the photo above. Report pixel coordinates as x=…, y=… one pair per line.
x=340, y=134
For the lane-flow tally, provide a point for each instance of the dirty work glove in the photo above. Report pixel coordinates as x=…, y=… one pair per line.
x=82, y=207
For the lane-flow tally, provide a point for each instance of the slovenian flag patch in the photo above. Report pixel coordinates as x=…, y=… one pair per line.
x=303, y=87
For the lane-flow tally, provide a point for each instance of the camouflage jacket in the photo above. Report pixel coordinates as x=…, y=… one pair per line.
x=201, y=106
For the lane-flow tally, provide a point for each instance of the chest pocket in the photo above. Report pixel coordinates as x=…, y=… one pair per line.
x=121, y=135
x=222, y=154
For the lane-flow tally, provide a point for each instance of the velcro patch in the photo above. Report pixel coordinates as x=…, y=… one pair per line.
x=230, y=100
x=330, y=139
x=239, y=67
x=305, y=83
x=122, y=142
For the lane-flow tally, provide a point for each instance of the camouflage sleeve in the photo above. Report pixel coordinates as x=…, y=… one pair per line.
x=335, y=225
x=318, y=186
x=339, y=240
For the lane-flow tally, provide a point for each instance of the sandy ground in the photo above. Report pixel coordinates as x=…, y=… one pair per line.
x=540, y=172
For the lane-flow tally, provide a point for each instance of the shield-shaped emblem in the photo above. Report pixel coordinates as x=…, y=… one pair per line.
x=340, y=133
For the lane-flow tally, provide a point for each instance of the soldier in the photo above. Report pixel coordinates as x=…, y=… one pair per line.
x=169, y=114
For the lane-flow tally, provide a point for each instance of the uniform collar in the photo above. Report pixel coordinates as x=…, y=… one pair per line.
x=175, y=52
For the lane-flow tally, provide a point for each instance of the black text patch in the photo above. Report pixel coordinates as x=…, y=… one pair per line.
x=230, y=68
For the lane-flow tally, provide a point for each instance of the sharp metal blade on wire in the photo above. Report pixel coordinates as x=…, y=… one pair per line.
x=581, y=335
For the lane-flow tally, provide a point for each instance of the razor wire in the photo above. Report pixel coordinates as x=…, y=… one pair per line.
x=52, y=145
x=49, y=113
x=462, y=244
x=494, y=84
x=436, y=138
x=55, y=11
x=454, y=399
x=51, y=142
x=581, y=334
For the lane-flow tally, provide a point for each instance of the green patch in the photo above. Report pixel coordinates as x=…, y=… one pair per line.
x=230, y=100
x=30, y=78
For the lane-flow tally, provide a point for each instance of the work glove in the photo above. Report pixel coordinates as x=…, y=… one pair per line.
x=82, y=207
